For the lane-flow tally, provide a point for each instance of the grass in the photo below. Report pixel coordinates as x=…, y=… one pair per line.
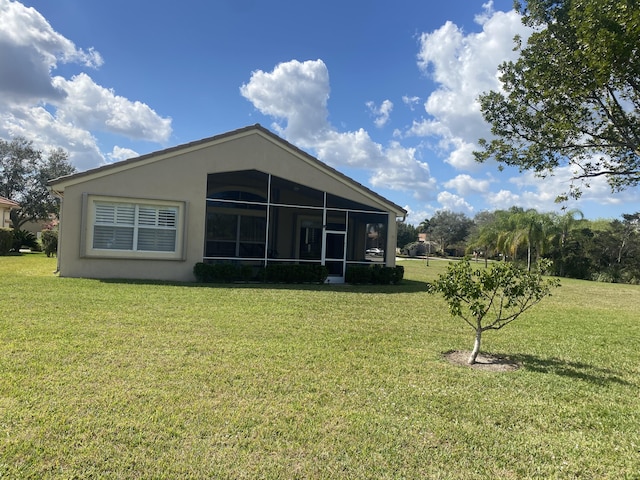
x=103, y=379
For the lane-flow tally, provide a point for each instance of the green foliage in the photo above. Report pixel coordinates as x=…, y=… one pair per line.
x=24, y=174
x=49, y=239
x=224, y=273
x=502, y=292
x=228, y=272
x=491, y=298
x=376, y=274
x=358, y=274
x=406, y=233
x=447, y=228
x=292, y=273
x=6, y=240
x=24, y=239
x=573, y=96
x=579, y=248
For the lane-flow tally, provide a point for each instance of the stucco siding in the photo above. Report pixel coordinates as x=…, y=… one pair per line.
x=181, y=176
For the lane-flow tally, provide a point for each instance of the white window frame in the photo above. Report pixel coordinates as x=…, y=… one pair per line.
x=90, y=223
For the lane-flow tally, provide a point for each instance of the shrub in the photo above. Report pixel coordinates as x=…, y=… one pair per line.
x=228, y=272
x=49, y=239
x=23, y=238
x=292, y=273
x=376, y=274
x=381, y=275
x=246, y=273
x=217, y=272
x=398, y=274
x=6, y=240
x=358, y=274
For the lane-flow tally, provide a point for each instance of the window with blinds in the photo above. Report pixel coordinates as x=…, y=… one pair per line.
x=135, y=227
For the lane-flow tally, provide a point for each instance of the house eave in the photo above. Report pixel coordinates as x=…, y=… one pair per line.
x=58, y=185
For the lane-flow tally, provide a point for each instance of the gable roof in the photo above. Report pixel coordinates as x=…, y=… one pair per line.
x=58, y=185
x=5, y=202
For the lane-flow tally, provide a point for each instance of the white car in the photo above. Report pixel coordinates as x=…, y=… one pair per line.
x=374, y=251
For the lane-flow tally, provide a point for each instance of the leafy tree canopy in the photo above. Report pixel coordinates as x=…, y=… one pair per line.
x=406, y=234
x=24, y=174
x=447, y=228
x=573, y=96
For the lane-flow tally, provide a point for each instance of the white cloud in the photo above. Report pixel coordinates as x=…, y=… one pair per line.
x=461, y=157
x=381, y=113
x=411, y=102
x=454, y=203
x=541, y=193
x=531, y=191
x=24, y=120
x=30, y=49
x=402, y=171
x=503, y=200
x=416, y=217
x=296, y=94
x=54, y=111
x=465, y=185
x=428, y=128
x=93, y=107
x=120, y=153
x=463, y=66
x=353, y=149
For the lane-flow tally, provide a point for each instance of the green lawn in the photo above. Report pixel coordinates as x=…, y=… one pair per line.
x=140, y=380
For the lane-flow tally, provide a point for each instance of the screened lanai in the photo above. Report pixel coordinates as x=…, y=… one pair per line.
x=255, y=218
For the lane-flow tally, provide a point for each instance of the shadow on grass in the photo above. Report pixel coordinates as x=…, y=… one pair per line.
x=406, y=286
x=578, y=370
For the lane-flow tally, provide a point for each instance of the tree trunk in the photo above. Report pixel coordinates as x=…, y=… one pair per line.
x=476, y=347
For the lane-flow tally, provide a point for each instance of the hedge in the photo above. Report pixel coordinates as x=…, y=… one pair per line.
x=228, y=272
x=6, y=240
x=294, y=273
x=376, y=274
x=222, y=272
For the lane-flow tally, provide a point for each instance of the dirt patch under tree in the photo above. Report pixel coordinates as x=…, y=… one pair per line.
x=484, y=361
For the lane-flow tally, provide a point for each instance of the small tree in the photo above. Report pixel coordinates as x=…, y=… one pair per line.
x=491, y=298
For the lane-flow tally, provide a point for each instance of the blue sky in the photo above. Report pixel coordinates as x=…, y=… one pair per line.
x=383, y=92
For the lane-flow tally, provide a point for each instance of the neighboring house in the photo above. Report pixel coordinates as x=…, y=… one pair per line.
x=6, y=206
x=246, y=197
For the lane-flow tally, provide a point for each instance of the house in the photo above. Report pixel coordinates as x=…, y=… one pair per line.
x=6, y=206
x=245, y=197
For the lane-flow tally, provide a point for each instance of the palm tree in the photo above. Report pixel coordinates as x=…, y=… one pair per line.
x=565, y=223
x=424, y=226
x=564, y=226
x=509, y=233
x=485, y=233
x=524, y=228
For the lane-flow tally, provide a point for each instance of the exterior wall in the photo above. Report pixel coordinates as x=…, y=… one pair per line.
x=5, y=221
x=181, y=176
x=6, y=206
x=392, y=234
